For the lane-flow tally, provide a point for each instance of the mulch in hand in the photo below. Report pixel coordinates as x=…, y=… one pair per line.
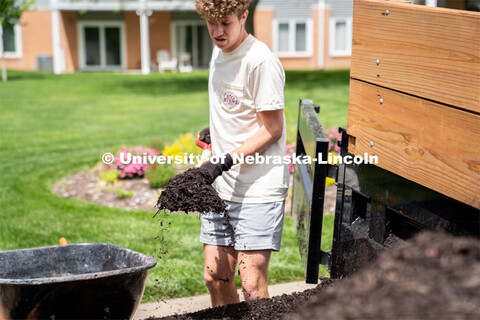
x=191, y=191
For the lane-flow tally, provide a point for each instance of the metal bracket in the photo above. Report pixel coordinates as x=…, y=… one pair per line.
x=326, y=259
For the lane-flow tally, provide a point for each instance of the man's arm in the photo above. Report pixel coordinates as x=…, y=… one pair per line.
x=270, y=131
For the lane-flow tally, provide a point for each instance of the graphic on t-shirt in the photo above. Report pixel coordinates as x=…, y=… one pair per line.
x=230, y=98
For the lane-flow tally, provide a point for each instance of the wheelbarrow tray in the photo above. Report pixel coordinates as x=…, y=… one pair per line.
x=76, y=281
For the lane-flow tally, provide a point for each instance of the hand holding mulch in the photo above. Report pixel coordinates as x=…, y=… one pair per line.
x=216, y=169
x=191, y=191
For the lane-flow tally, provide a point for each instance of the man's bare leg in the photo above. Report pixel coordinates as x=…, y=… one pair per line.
x=253, y=270
x=219, y=274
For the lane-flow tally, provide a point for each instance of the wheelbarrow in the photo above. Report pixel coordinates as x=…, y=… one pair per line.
x=75, y=281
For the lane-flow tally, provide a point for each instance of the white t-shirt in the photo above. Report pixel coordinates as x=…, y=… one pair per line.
x=243, y=82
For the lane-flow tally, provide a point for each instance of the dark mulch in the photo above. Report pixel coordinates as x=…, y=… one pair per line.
x=191, y=191
x=434, y=276
x=273, y=308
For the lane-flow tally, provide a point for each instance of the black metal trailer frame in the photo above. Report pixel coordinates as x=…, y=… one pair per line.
x=375, y=209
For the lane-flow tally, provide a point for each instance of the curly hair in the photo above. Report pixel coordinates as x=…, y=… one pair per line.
x=216, y=10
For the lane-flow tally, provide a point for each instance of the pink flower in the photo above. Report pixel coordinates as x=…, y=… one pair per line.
x=290, y=167
x=333, y=136
x=132, y=170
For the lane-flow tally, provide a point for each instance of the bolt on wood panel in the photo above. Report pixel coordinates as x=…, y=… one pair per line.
x=428, y=52
x=429, y=143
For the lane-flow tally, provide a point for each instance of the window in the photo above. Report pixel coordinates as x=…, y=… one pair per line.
x=340, y=36
x=292, y=37
x=283, y=38
x=191, y=43
x=12, y=44
x=301, y=37
x=101, y=45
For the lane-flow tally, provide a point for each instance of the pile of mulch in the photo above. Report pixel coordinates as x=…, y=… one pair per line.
x=191, y=191
x=273, y=308
x=432, y=276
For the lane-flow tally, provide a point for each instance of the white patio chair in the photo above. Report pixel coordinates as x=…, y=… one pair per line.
x=165, y=62
x=185, y=64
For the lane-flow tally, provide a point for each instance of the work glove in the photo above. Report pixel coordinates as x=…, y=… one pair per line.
x=217, y=169
x=204, y=135
x=203, y=139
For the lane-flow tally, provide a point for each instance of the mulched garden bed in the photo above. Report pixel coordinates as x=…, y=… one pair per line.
x=432, y=276
x=87, y=186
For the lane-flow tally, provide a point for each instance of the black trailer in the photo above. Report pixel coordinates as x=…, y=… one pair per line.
x=375, y=209
x=416, y=108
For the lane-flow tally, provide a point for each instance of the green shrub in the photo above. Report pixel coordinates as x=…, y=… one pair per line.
x=122, y=194
x=159, y=175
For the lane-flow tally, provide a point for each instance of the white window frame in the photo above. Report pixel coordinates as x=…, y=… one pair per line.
x=17, y=31
x=173, y=36
x=332, y=35
x=291, y=53
x=81, y=45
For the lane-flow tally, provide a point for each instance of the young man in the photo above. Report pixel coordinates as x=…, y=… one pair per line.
x=246, y=87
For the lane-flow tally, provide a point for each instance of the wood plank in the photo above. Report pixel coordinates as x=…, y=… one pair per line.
x=432, y=53
x=423, y=141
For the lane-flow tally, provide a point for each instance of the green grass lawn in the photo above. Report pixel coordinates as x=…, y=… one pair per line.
x=52, y=126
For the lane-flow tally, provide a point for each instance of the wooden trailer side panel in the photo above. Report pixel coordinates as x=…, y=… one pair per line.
x=428, y=52
x=415, y=94
x=423, y=141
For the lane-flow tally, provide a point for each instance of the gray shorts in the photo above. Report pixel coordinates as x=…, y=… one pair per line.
x=247, y=226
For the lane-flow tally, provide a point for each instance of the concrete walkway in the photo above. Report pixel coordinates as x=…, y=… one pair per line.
x=191, y=304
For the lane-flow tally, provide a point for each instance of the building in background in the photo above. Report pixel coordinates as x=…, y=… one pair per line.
x=82, y=35
x=96, y=35
x=317, y=34
x=307, y=34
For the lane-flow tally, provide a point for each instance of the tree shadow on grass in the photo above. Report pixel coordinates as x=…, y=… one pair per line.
x=306, y=79
x=167, y=84
x=198, y=82
x=19, y=76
